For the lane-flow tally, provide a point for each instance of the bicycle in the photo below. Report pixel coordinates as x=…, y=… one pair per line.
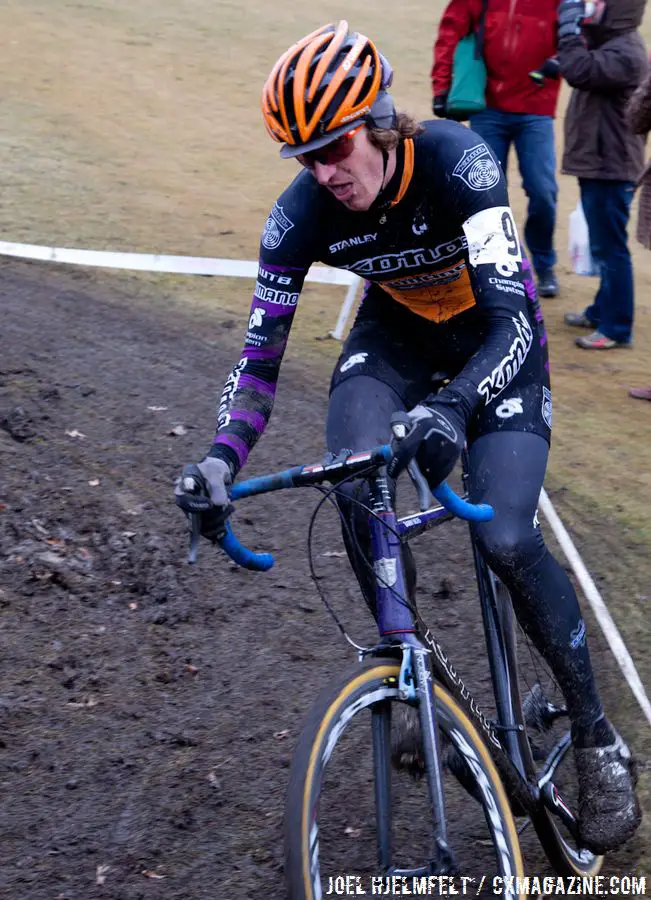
x=496, y=762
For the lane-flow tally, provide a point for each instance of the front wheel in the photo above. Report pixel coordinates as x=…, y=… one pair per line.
x=345, y=810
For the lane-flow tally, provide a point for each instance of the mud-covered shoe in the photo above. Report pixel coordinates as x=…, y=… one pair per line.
x=609, y=811
x=578, y=320
x=599, y=341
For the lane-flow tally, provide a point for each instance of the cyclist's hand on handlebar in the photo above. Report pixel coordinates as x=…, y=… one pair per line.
x=202, y=490
x=434, y=435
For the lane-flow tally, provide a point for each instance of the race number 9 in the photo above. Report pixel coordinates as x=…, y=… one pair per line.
x=508, y=227
x=493, y=239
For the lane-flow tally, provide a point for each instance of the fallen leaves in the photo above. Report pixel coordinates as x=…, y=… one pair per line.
x=100, y=874
x=86, y=703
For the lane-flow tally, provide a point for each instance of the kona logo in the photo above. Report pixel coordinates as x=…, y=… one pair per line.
x=355, y=360
x=223, y=415
x=409, y=259
x=509, y=367
x=510, y=407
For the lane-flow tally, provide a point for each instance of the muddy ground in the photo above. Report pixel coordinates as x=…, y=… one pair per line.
x=148, y=709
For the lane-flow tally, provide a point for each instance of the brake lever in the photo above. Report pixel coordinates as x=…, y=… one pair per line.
x=421, y=485
x=400, y=425
x=195, y=535
x=193, y=483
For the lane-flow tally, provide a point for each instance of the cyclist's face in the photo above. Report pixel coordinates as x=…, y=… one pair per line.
x=351, y=171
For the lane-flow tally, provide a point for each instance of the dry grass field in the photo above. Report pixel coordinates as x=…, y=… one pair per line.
x=135, y=126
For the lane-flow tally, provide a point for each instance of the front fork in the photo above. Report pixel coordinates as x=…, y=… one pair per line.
x=416, y=682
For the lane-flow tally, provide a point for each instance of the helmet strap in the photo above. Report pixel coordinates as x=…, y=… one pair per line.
x=385, y=163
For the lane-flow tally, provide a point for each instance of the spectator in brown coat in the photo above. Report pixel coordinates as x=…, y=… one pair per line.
x=639, y=118
x=604, y=60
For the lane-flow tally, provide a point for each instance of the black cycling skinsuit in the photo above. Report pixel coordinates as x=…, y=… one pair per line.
x=447, y=289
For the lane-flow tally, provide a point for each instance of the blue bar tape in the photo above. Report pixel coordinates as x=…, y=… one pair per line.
x=471, y=512
x=240, y=554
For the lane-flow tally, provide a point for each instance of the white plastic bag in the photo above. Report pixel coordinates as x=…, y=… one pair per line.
x=579, y=244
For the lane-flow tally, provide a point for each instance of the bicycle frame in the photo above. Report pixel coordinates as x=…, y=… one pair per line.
x=399, y=625
x=405, y=636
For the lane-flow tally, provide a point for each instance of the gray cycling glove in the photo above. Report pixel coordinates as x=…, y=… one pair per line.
x=202, y=490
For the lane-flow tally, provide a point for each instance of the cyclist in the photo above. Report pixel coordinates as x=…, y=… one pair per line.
x=421, y=211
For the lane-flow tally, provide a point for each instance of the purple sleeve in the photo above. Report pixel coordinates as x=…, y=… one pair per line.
x=248, y=396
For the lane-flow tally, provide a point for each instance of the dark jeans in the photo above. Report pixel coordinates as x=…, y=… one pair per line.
x=533, y=137
x=607, y=206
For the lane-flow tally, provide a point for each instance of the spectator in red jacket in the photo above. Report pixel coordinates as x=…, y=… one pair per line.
x=519, y=36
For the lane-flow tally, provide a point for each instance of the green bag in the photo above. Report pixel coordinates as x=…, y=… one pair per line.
x=468, y=89
x=467, y=93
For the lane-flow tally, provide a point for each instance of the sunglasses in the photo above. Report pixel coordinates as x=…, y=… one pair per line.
x=335, y=152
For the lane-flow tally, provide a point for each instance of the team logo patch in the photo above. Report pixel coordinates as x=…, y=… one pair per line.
x=386, y=571
x=355, y=360
x=419, y=225
x=275, y=228
x=477, y=168
x=255, y=320
x=547, y=407
x=510, y=407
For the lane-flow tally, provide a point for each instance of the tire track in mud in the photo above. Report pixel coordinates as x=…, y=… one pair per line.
x=149, y=709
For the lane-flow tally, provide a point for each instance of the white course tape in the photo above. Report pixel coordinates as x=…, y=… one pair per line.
x=153, y=262
x=182, y=265
x=344, y=312
x=599, y=608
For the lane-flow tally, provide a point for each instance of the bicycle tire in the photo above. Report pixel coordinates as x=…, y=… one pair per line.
x=376, y=681
x=565, y=856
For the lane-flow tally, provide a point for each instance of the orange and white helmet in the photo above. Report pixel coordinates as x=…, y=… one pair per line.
x=323, y=86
